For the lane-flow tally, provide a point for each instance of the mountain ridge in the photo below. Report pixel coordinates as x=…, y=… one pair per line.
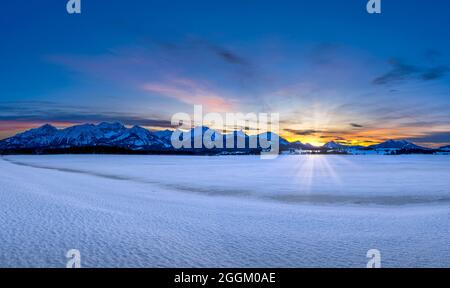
x=136, y=138
x=108, y=134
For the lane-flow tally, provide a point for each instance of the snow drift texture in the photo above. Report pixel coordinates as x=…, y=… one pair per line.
x=235, y=211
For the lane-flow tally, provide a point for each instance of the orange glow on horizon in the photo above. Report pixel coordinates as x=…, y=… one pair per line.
x=11, y=128
x=361, y=138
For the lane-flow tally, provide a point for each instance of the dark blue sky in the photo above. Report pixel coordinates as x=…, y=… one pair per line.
x=323, y=65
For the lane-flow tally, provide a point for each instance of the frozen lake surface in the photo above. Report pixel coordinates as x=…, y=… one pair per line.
x=230, y=211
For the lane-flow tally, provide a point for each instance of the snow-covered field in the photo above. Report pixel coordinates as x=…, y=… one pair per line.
x=230, y=211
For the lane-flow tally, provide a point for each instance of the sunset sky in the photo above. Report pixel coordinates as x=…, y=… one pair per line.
x=332, y=71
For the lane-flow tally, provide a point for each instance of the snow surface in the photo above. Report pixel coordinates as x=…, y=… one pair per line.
x=230, y=211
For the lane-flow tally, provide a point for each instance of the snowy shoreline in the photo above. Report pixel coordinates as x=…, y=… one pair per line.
x=139, y=211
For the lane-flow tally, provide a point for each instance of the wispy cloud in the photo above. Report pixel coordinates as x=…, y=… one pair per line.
x=230, y=57
x=401, y=71
x=190, y=92
x=199, y=45
x=303, y=132
x=439, y=137
x=435, y=73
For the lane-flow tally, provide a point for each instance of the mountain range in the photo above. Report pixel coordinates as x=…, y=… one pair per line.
x=117, y=135
x=387, y=145
x=48, y=138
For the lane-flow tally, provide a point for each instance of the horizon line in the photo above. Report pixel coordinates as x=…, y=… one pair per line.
x=59, y=128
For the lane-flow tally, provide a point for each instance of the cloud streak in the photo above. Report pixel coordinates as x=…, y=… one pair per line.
x=190, y=92
x=303, y=132
x=433, y=137
x=401, y=71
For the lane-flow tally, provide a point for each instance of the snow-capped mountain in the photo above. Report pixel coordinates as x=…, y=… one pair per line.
x=137, y=138
x=337, y=146
x=37, y=137
x=86, y=135
x=396, y=144
x=302, y=146
x=334, y=145
x=445, y=148
x=79, y=135
x=110, y=130
x=389, y=147
x=164, y=134
x=117, y=135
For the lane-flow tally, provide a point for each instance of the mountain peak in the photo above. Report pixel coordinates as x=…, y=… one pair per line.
x=47, y=127
x=44, y=129
x=140, y=131
x=397, y=141
x=396, y=144
x=137, y=127
x=445, y=148
x=333, y=145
